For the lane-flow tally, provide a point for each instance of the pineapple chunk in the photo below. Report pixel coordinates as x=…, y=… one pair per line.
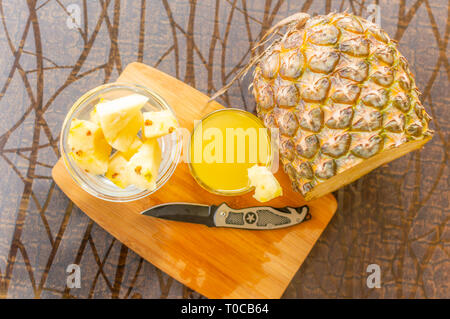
x=121, y=119
x=117, y=166
x=143, y=166
x=93, y=116
x=89, y=148
x=117, y=170
x=160, y=123
x=266, y=185
x=137, y=143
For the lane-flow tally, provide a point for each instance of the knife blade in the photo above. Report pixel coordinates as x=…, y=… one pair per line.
x=254, y=218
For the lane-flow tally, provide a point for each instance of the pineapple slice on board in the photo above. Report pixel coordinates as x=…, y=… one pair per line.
x=159, y=123
x=121, y=119
x=89, y=148
x=143, y=166
x=266, y=185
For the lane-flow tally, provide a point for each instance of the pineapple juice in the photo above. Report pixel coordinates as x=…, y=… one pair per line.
x=223, y=146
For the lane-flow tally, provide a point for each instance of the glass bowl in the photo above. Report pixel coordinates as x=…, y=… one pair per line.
x=98, y=185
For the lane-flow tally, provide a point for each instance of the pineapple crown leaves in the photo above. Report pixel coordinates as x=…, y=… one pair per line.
x=295, y=21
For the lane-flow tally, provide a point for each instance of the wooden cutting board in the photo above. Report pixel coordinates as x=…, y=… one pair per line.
x=216, y=262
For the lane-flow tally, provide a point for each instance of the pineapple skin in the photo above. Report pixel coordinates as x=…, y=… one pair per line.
x=340, y=92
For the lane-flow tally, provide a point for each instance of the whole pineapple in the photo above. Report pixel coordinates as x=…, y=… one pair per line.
x=343, y=99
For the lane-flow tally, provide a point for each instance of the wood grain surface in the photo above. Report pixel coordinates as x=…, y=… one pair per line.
x=218, y=263
x=396, y=217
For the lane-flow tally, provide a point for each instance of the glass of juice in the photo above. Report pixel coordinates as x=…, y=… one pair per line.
x=223, y=145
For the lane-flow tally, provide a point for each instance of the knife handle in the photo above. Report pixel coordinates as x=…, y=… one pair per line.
x=260, y=217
